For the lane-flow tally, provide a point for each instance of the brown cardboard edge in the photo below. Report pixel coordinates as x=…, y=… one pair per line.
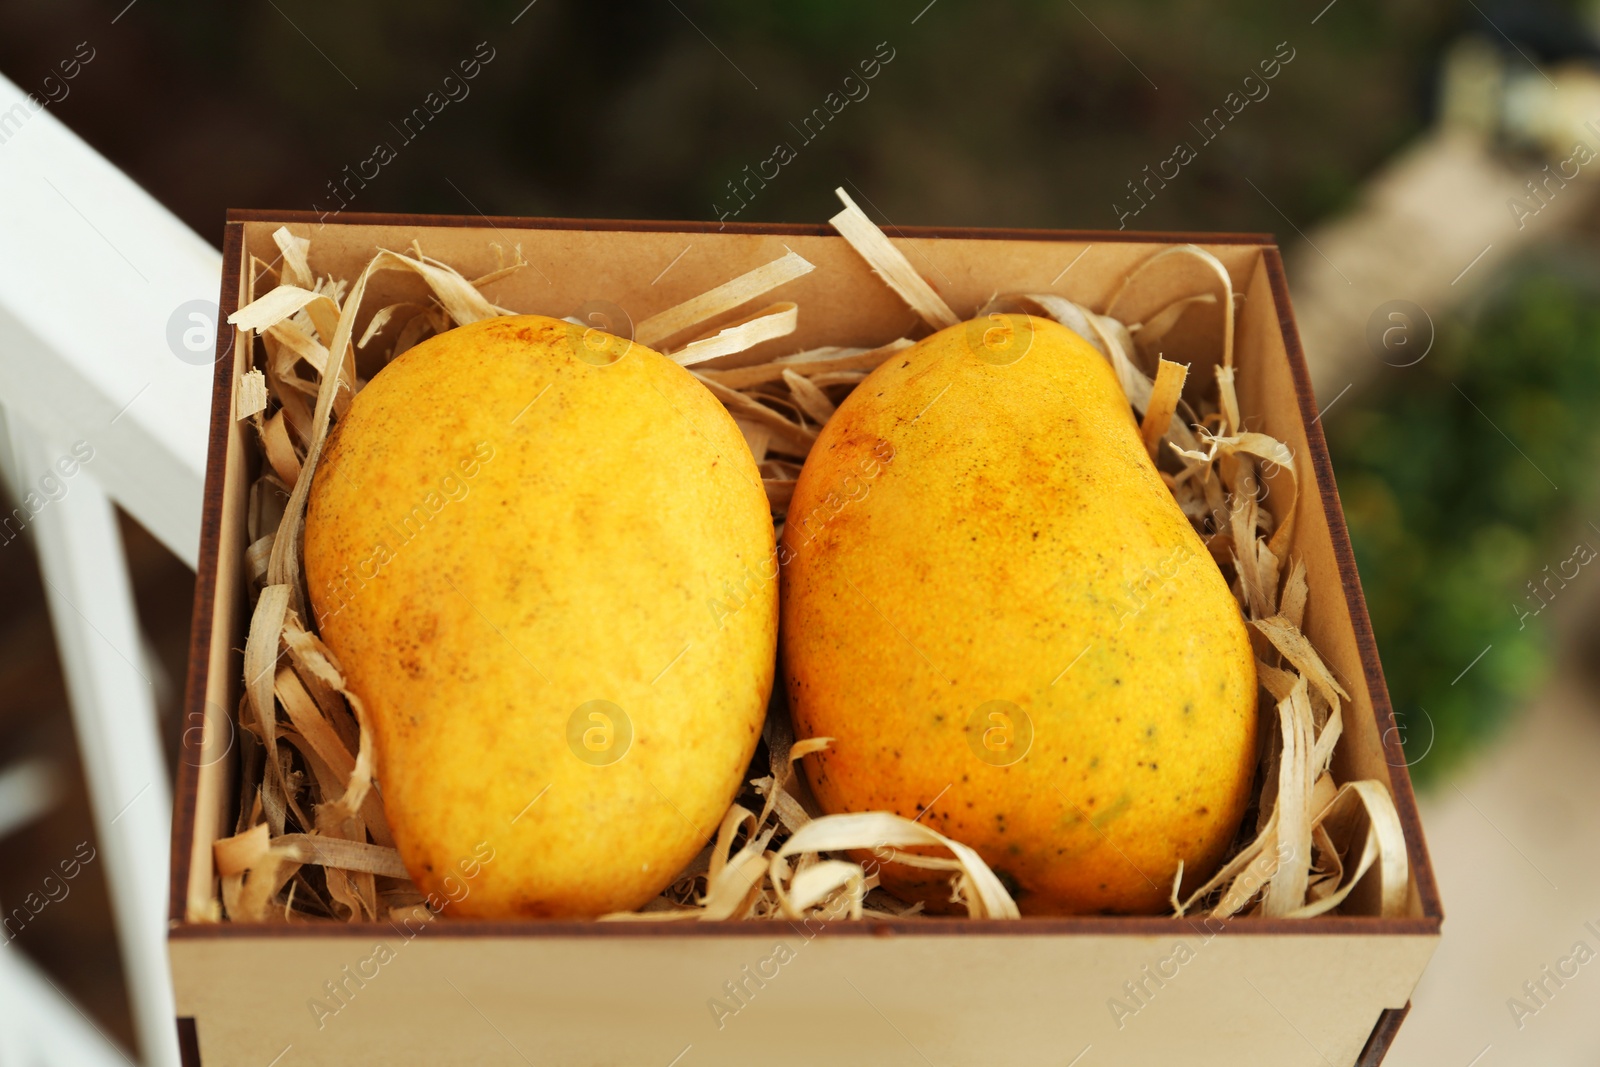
x=1383, y=1035
x=203, y=621
x=201, y=618
x=1405, y=799
x=797, y=229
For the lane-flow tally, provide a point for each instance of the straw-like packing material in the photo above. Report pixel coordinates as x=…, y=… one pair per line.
x=311, y=839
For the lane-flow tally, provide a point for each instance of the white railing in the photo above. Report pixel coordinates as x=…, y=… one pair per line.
x=107, y=309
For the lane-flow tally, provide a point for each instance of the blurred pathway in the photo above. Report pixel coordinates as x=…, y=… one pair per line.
x=1516, y=843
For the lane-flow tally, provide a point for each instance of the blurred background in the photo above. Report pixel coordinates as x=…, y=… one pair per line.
x=1428, y=167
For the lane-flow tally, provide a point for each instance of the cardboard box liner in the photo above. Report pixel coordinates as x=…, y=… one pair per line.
x=295, y=931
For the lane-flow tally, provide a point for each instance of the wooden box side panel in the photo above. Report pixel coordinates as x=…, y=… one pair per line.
x=399, y=998
x=647, y=271
x=1275, y=393
x=207, y=757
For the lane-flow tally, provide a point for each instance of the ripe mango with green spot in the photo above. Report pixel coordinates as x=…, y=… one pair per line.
x=994, y=606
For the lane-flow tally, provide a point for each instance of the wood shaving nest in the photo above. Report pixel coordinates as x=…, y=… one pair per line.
x=311, y=840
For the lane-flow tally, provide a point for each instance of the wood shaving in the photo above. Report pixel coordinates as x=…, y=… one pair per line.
x=779, y=320
x=890, y=264
x=812, y=364
x=1195, y=267
x=719, y=301
x=252, y=397
x=1165, y=393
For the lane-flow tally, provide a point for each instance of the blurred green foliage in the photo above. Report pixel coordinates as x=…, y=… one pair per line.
x=1463, y=478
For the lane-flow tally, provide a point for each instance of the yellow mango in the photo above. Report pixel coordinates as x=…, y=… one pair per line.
x=996, y=609
x=545, y=562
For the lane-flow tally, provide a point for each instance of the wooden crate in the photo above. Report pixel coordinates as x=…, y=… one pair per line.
x=1318, y=992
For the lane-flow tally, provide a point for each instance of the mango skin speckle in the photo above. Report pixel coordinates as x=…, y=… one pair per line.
x=966, y=532
x=504, y=527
